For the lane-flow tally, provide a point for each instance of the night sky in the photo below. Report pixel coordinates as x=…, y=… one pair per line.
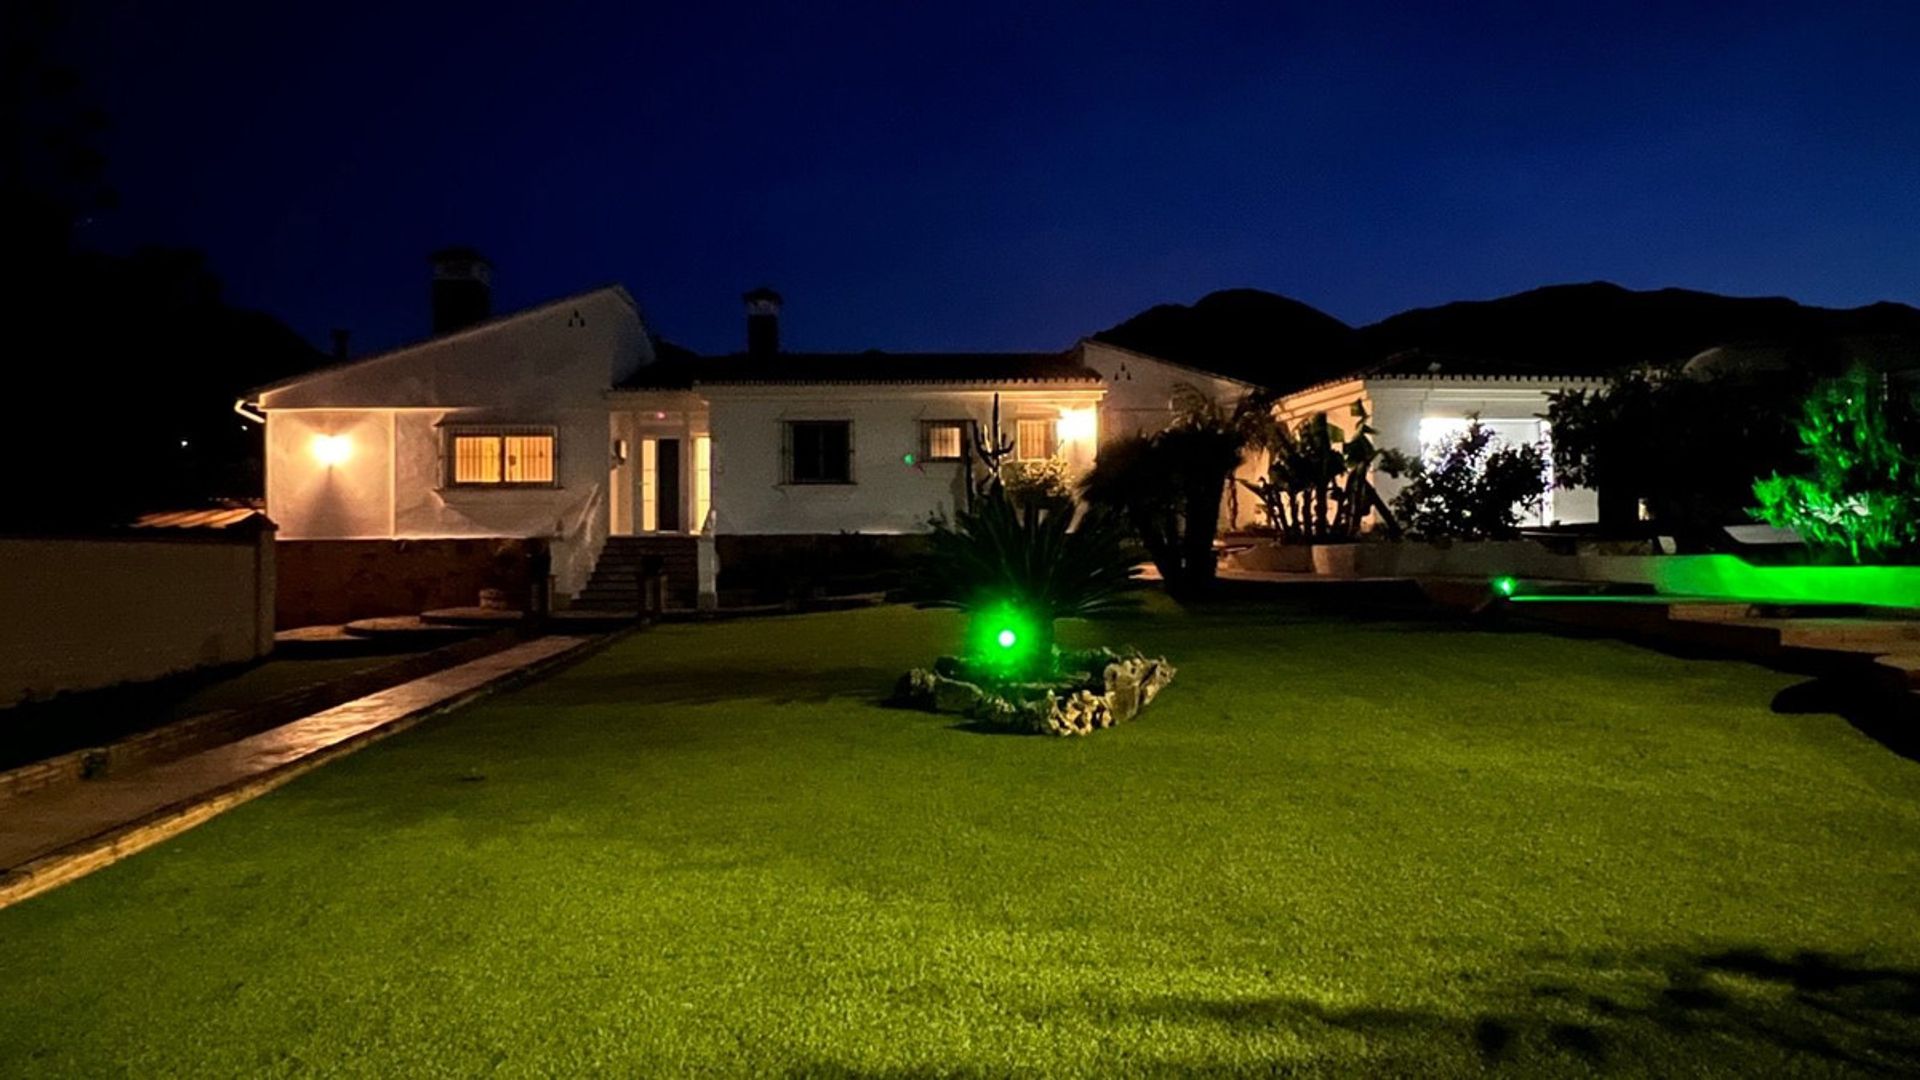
x=940, y=176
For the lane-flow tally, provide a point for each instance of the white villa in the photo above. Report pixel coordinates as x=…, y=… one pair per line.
x=561, y=422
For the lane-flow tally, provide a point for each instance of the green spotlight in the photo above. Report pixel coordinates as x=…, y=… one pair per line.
x=1007, y=638
x=1505, y=586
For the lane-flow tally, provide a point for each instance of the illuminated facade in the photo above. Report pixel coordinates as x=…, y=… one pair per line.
x=561, y=422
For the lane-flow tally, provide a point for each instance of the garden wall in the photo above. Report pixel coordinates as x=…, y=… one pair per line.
x=775, y=568
x=78, y=613
x=1717, y=576
x=336, y=581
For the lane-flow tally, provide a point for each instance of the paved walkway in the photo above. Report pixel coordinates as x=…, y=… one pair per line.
x=52, y=837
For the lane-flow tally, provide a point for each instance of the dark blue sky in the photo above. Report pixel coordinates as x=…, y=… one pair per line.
x=927, y=176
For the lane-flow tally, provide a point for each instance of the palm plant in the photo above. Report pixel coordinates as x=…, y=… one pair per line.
x=1017, y=572
x=1169, y=485
x=1318, y=486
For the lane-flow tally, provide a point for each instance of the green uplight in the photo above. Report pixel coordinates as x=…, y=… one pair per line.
x=1505, y=585
x=1006, y=639
x=908, y=458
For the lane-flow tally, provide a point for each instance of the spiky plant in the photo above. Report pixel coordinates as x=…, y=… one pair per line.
x=1017, y=572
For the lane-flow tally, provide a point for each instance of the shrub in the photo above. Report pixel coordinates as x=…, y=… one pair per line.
x=1861, y=498
x=1044, y=485
x=1474, y=489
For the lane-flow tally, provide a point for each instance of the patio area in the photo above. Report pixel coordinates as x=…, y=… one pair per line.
x=1334, y=846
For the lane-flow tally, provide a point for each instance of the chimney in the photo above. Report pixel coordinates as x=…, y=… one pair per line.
x=462, y=289
x=340, y=336
x=763, y=321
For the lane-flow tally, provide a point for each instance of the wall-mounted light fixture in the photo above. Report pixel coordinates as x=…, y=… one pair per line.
x=1077, y=425
x=331, y=450
x=619, y=451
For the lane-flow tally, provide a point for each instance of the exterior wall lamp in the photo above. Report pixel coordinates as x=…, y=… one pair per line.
x=331, y=450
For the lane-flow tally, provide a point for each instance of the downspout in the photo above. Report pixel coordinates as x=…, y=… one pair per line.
x=249, y=410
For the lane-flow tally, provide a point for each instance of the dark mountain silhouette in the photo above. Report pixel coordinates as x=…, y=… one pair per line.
x=1248, y=334
x=1601, y=327
x=1586, y=329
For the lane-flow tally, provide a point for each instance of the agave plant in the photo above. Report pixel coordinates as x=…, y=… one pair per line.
x=1017, y=572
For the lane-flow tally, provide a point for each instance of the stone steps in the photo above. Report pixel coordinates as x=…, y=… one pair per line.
x=614, y=585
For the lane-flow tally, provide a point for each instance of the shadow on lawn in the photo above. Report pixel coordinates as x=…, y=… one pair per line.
x=1890, y=719
x=711, y=686
x=1732, y=1010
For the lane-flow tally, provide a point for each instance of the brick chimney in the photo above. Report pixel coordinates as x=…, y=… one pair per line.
x=763, y=321
x=462, y=289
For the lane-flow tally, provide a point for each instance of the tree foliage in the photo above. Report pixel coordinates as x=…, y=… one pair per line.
x=1860, y=495
x=1475, y=488
x=1168, y=486
x=1686, y=446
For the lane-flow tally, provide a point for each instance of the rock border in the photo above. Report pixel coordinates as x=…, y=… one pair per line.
x=1098, y=689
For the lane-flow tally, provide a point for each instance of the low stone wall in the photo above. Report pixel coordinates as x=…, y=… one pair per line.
x=772, y=568
x=79, y=613
x=336, y=581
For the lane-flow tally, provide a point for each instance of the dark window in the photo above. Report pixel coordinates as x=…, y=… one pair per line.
x=819, y=452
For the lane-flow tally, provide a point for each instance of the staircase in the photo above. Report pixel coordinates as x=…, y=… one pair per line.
x=615, y=584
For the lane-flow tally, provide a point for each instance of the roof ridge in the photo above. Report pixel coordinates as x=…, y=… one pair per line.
x=491, y=323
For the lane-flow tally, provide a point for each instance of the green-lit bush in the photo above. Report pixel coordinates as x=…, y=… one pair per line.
x=1860, y=498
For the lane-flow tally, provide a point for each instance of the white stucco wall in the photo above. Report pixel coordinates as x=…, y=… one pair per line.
x=548, y=366
x=887, y=495
x=1396, y=406
x=1140, y=401
x=1514, y=405
x=1140, y=388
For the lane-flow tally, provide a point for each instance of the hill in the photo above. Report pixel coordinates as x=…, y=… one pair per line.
x=1591, y=328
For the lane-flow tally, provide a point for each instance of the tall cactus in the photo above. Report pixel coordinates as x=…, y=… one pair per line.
x=991, y=447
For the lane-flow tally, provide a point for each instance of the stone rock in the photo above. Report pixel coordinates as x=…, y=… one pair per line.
x=1132, y=683
x=1100, y=688
x=954, y=696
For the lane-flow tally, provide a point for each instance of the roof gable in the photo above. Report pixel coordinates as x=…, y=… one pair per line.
x=432, y=349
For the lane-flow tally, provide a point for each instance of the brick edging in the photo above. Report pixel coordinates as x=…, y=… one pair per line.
x=83, y=857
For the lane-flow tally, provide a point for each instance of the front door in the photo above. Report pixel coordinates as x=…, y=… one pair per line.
x=666, y=487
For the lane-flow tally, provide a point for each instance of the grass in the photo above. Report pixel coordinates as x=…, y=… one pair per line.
x=1331, y=847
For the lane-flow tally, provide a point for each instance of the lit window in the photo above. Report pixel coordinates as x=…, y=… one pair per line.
x=702, y=480
x=1033, y=440
x=511, y=456
x=943, y=440
x=649, y=485
x=819, y=451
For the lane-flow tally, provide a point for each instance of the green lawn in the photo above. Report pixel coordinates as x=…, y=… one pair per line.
x=1331, y=846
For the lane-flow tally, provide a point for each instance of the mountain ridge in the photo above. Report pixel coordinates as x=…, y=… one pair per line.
x=1575, y=328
